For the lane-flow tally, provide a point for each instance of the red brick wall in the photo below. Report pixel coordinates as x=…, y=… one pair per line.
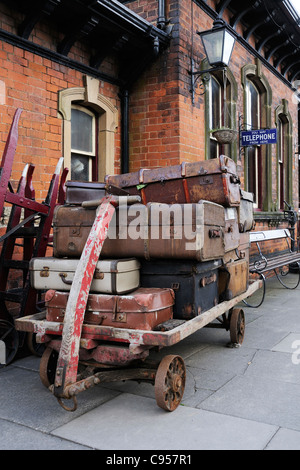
x=165, y=127
x=32, y=83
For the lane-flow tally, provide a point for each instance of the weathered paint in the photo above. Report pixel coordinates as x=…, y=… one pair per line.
x=67, y=364
x=138, y=337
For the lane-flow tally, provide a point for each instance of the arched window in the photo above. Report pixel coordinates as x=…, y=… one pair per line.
x=220, y=105
x=283, y=121
x=253, y=122
x=257, y=115
x=89, y=125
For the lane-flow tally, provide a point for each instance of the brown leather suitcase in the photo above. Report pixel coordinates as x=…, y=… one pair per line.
x=143, y=309
x=80, y=191
x=186, y=231
x=214, y=180
x=233, y=279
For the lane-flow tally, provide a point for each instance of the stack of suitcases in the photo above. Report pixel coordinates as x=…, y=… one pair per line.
x=178, y=253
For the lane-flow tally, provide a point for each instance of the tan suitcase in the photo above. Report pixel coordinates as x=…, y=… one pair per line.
x=233, y=279
x=143, y=309
x=179, y=231
x=114, y=276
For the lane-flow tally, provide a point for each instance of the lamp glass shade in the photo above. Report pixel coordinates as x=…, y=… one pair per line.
x=218, y=44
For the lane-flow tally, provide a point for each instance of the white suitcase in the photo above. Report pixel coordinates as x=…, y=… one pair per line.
x=112, y=276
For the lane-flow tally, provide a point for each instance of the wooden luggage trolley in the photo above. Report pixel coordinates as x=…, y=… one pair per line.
x=28, y=230
x=124, y=350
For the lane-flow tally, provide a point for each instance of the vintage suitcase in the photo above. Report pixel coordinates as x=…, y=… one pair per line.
x=242, y=251
x=233, y=279
x=112, y=276
x=214, y=180
x=245, y=212
x=79, y=191
x=195, y=284
x=143, y=309
x=180, y=231
x=231, y=233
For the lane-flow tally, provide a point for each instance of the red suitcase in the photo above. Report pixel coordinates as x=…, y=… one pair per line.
x=143, y=309
x=213, y=180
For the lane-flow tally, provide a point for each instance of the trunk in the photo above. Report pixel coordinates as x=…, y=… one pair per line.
x=195, y=284
x=214, y=180
x=187, y=231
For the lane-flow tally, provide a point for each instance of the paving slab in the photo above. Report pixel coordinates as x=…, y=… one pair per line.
x=285, y=439
x=258, y=399
x=274, y=365
x=135, y=423
x=24, y=400
x=222, y=358
x=290, y=344
x=14, y=436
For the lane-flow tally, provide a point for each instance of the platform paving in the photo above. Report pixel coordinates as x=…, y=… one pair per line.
x=235, y=398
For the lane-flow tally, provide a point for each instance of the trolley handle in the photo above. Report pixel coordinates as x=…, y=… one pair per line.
x=114, y=199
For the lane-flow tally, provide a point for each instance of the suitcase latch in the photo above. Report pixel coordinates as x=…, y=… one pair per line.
x=175, y=286
x=205, y=180
x=98, y=274
x=44, y=272
x=74, y=231
x=118, y=316
x=204, y=281
x=213, y=233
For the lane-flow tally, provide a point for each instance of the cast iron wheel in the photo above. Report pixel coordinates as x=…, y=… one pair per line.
x=10, y=337
x=237, y=326
x=48, y=365
x=37, y=349
x=170, y=382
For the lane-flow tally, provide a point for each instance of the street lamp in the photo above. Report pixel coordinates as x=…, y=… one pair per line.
x=218, y=44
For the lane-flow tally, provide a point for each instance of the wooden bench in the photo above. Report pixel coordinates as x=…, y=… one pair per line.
x=264, y=262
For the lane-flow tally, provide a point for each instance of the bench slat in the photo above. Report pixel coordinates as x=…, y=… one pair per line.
x=276, y=262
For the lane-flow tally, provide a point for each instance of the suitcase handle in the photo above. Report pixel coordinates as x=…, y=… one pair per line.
x=65, y=281
x=235, y=179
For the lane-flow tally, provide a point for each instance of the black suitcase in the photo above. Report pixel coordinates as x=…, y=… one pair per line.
x=195, y=284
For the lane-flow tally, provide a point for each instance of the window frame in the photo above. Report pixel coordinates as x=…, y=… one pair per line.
x=254, y=73
x=231, y=100
x=93, y=155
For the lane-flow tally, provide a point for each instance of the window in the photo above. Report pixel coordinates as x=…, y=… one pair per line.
x=220, y=105
x=284, y=125
x=257, y=115
x=253, y=122
x=89, y=126
x=83, y=144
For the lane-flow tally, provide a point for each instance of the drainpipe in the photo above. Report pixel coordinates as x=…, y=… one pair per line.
x=125, y=132
x=161, y=20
